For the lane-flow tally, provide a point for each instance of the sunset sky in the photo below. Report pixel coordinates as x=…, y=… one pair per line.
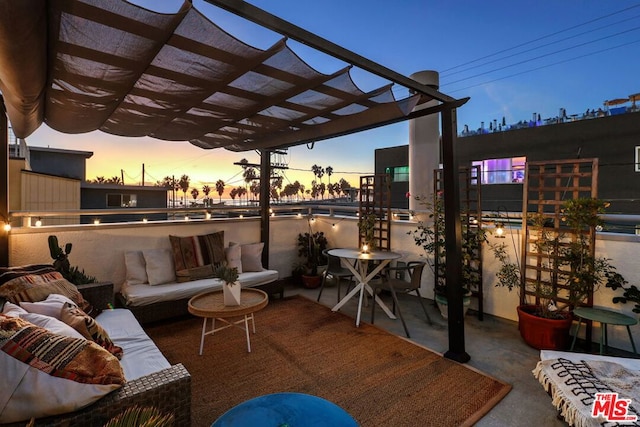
x=513, y=59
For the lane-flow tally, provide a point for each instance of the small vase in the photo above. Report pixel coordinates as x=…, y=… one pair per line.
x=231, y=293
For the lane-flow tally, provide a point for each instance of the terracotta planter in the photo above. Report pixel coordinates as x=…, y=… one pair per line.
x=311, y=282
x=542, y=333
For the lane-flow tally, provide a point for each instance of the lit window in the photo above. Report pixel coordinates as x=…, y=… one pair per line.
x=398, y=173
x=502, y=171
x=122, y=200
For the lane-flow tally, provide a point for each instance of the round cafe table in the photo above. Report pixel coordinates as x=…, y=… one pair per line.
x=286, y=409
x=210, y=305
x=363, y=276
x=605, y=317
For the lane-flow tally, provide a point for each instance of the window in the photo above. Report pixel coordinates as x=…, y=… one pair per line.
x=638, y=159
x=398, y=173
x=122, y=200
x=502, y=171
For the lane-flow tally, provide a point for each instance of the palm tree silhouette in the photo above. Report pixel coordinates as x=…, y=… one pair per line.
x=220, y=188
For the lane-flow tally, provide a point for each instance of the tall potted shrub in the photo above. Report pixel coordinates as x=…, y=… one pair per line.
x=569, y=276
x=430, y=236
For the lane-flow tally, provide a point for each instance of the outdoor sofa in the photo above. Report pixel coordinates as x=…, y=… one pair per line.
x=150, y=379
x=160, y=281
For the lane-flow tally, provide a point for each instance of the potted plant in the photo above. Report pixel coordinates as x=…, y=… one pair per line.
x=366, y=227
x=568, y=277
x=430, y=236
x=310, y=249
x=231, y=288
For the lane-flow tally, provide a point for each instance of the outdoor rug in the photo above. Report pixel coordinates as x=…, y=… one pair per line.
x=301, y=346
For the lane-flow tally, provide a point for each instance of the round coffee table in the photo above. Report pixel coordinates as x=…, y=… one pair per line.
x=210, y=305
x=286, y=409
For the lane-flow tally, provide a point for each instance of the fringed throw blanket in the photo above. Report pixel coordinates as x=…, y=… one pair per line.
x=574, y=384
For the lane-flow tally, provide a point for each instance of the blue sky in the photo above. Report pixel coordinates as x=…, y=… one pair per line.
x=571, y=54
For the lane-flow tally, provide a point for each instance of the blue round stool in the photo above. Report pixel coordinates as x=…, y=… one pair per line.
x=286, y=410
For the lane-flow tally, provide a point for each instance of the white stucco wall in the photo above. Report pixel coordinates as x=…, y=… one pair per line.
x=99, y=250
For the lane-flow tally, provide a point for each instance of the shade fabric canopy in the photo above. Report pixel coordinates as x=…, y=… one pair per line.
x=82, y=65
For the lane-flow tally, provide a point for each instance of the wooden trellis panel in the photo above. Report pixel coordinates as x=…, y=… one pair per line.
x=375, y=197
x=470, y=217
x=547, y=185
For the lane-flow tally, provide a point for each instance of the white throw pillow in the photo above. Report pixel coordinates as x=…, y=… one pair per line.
x=136, y=267
x=233, y=254
x=51, y=324
x=252, y=257
x=50, y=307
x=160, y=267
x=12, y=310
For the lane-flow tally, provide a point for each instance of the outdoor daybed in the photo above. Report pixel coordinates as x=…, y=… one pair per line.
x=58, y=397
x=573, y=379
x=160, y=281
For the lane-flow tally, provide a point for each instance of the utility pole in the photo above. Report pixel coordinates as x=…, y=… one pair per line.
x=143, y=174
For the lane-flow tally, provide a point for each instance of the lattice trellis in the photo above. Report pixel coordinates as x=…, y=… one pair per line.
x=375, y=198
x=548, y=185
x=470, y=217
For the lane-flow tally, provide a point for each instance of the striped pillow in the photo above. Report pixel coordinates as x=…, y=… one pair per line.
x=195, y=257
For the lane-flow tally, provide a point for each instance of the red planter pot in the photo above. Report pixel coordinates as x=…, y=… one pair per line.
x=311, y=282
x=542, y=333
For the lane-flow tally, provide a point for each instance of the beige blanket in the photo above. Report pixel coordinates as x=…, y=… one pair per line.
x=573, y=384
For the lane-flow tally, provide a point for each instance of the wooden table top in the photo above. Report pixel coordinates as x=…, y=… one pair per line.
x=211, y=303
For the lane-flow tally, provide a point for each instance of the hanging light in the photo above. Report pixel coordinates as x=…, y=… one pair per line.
x=38, y=222
x=500, y=230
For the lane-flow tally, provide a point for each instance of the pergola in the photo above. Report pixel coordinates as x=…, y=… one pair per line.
x=84, y=65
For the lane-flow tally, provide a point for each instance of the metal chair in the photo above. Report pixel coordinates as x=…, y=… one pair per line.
x=390, y=283
x=335, y=270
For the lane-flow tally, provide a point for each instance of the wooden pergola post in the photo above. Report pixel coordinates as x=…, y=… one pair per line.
x=4, y=189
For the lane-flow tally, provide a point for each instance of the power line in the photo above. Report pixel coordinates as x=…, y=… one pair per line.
x=541, y=38
x=545, y=55
x=540, y=47
x=544, y=66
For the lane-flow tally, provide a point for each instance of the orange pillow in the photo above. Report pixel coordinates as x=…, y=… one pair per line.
x=88, y=328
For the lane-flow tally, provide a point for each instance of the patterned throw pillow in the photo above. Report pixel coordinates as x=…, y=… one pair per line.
x=57, y=355
x=34, y=288
x=196, y=257
x=45, y=374
x=8, y=273
x=88, y=328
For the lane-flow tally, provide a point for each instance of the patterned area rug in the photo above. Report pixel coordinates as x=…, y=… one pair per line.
x=301, y=346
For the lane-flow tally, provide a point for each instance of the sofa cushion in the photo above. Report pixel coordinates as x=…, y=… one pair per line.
x=252, y=257
x=49, y=307
x=136, y=267
x=33, y=288
x=233, y=255
x=88, y=328
x=47, y=374
x=196, y=257
x=159, y=264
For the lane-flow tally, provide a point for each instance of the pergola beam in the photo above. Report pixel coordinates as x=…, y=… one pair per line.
x=272, y=22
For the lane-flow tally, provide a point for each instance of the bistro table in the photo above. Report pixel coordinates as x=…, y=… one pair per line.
x=362, y=275
x=605, y=317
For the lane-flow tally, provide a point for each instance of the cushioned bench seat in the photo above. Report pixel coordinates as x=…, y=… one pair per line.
x=158, y=302
x=139, y=295
x=124, y=329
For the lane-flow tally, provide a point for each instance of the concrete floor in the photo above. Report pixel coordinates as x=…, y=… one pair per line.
x=494, y=344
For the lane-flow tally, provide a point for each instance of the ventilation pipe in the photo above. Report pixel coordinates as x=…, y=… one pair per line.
x=424, y=144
